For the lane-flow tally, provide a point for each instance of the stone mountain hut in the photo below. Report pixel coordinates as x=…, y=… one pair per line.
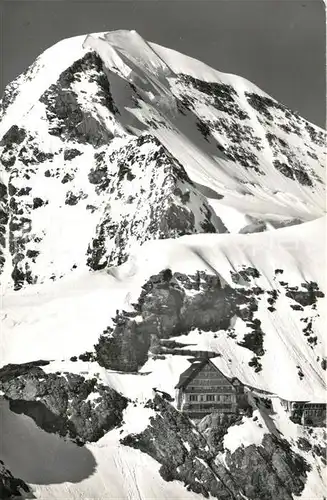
x=204, y=389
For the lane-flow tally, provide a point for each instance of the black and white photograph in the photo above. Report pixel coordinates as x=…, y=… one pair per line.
x=163, y=250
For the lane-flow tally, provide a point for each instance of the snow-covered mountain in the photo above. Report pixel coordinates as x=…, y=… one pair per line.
x=118, y=158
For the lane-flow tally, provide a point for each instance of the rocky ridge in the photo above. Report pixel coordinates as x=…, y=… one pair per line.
x=273, y=470
x=151, y=197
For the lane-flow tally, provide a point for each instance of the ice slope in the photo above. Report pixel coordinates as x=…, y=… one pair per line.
x=166, y=67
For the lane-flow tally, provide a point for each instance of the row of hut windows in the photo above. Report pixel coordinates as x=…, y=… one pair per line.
x=222, y=388
x=313, y=412
x=210, y=380
x=212, y=397
x=205, y=407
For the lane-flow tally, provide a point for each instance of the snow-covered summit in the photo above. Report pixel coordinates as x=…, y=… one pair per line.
x=257, y=164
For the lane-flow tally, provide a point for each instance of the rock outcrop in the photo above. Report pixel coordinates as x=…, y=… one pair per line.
x=270, y=471
x=61, y=402
x=173, y=304
x=166, y=308
x=68, y=118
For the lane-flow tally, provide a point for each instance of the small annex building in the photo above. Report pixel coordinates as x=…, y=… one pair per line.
x=309, y=413
x=314, y=414
x=204, y=389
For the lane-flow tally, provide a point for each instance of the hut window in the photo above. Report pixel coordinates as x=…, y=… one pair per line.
x=193, y=397
x=210, y=397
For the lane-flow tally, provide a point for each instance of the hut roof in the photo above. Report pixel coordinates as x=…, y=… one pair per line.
x=189, y=374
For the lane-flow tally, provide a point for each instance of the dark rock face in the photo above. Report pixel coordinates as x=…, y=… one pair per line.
x=16, y=202
x=294, y=169
x=70, y=154
x=74, y=198
x=4, y=218
x=67, y=118
x=264, y=105
x=9, y=145
x=168, y=439
x=10, y=486
x=12, y=371
x=240, y=141
x=15, y=135
x=219, y=95
x=274, y=469
x=19, y=235
x=271, y=471
x=307, y=296
x=214, y=431
x=317, y=136
x=241, y=144
x=161, y=207
x=30, y=154
x=305, y=300
x=167, y=310
x=18, y=144
x=62, y=403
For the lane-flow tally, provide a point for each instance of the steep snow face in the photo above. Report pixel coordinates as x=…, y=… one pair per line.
x=118, y=157
x=251, y=140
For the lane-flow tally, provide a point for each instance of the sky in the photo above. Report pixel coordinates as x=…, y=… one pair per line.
x=277, y=44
